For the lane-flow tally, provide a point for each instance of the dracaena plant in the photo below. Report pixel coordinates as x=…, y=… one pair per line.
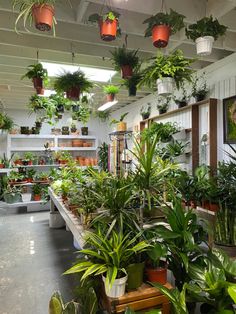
x=174, y=65
x=108, y=255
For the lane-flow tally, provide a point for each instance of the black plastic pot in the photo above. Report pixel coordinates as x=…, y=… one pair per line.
x=161, y=111
x=59, y=116
x=65, y=130
x=35, y=130
x=181, y=104
x=84, y=130
x=38, y=125
x=24, y=130
x=200, y=97
x=60, y=108
x=73, y=130
x=145, y=116
x=75, y=108
x=132, y=91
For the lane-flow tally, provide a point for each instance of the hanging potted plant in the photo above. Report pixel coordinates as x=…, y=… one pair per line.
x=204, y=32
x=125, y=61
x=166, y=72
x=111, y=91
x=132, y=83
x=40, y=11
x=61, y=102
x=73, y=84
x=108, y=24
x=121, y=126
x=38, y=75
x=162, y=25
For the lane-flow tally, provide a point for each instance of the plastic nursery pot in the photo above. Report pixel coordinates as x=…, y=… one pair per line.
x=37, y=198
x=110, y=97
x=200, y=97
x=24, y=130
x=132, y=91
x=73, y=130
x=108, y=29
x=73, y=93
x=135, y=275
x=214, y=207
x=204, y=45
x=60, y=108
x=26, y=197
x=145, y=116
x=38, y=82
x=165, y=86
x=160, y=35
x=126, y=71
x=43, y=17
x=121, y=126
x=181, y=104
x=161, y=111
x=157, y=275
x=117, y=289
x=84, y=130
x=38, y=125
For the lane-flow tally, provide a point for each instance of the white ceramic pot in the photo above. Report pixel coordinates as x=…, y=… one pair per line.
x=165, y=86
x=180, y=159
x=117, y=289
x=181, y=135
x=26, y=197
x=56, y=221
x=204, y=45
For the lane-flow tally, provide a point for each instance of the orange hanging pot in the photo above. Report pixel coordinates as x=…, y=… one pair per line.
x=161, y=35
x=43, y=16
x=108, y=29
x=110, y=97
x=126, y=71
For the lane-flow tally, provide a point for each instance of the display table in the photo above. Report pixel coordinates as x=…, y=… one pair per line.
x=144, y=298
x=71, y=220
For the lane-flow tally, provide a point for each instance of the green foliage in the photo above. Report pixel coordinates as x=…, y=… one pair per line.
x=69, y=80
x=174, y=65
x=83, y=114
x=163, y=130
x=156, y=252
x=29, y=156
x=163, y=103
x=122, y=117
x=111, y=89
x=37, y=189
x=36, y=71
x=133, y=81
x=207, y=26
x=102, y=115
x=199, y=87
x=145, y=111
x=121, y=56
x=103, y=156
x=6, y=122
x=172, y=19
x=57, y=305
x=110, y=16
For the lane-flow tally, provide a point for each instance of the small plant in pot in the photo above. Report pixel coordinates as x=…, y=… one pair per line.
x=28, y=159
x=40, y=11
x=38, y=75
x=12, y=195
x=73, y=128
x=108, y=24
x=37, y=190
x=121, y=126
x=132, y=83
x=65, y=130
x=61, y=102
x=30, y=175
x=125, y=61
x=146, y=111
x=156, y=269
x=6, y=122
x=167, y=71
x=73, y=84
x=204, y=32
x=111, y=91
x=162, y=25
x=200, y=89
x=38, y=122
x=182, y=99
x=163, y=104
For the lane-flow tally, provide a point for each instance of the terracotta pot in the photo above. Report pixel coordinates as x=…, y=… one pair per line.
x=121, y=126
x=30, y=163
x=157, y=275
x=206, y=205
x=214, y=207
x=62, y=162
x=30, y=180
x=193, y=204
x=43, y=17
x=82, y=161
x=38, y=82
x=108, y=29
x=160, y=35
x=37, y=198
x=126, y=71
x=73, y=93
x=87, y=162
x=2, y=166
x=77, y=143
x=110, y=97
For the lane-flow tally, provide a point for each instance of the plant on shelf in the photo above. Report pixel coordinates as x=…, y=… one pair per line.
x=6, y=122
x=38, y=75
x=163, y=104
x=30, y=175
x=176, y=148
x=163, y=130
x=37, y=191
x=146, y=111
x=28, y=158
x=73, y=128
x=110, y=256
x=204, y=32
x=166, y=71
x=108, y=24
x=156, y=269
x=103, y=156
x=121, y=126
x=111, y=91
x=132, y=83
x=37, y=103
x=125, y=60
x=183, y=98
x=73, y=84
x=162, y=25
x=40, y=11
x=200, y=90
x=6, y=162
x=58, y=306
x=12, y=195
x=15, y=177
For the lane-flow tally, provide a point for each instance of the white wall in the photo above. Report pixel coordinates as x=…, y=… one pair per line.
x=221, y=78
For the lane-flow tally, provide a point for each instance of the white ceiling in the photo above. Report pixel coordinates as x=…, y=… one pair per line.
x=75, y=34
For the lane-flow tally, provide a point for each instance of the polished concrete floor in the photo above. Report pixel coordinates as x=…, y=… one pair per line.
x=32, y=260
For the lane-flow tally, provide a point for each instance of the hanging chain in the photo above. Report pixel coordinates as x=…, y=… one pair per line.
x=126, y=41
x=37, y=56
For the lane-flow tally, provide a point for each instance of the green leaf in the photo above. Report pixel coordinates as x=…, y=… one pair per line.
x=232, y=292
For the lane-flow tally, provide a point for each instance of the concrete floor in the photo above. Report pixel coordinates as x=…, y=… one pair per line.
x=32, y=260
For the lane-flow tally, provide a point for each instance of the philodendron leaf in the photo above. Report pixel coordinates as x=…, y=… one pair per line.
x=55, y=306
x=232, y=292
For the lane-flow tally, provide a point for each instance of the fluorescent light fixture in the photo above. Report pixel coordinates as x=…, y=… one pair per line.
x=93, y=74
x=108, y=105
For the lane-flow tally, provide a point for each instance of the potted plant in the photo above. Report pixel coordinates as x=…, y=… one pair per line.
x=166, y=71
x=125, y=61
x=162, y=25
x=73, y=84
x=62, y=103
x=38, y=75
x=57, y=305
x=73, y=128
x=26, y=196
x=111, y=91
x=108, y=24
x=103, y=157
x=40, y=11
x=30, y=175
x=2, y=163
x=204, y=32
x=28, y=158
x=146, y=111
x=12, y=195
x=132, y=83
x=121, y=126
x=182, y=100
x=110, y=256
x=6, y=122
x=65, y=130
x=37, y=190
x=200, y=90
x=163, y=104
x=154, y=271
x=176, y=150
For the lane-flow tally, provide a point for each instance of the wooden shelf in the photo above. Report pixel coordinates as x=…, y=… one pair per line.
x=39, y=149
